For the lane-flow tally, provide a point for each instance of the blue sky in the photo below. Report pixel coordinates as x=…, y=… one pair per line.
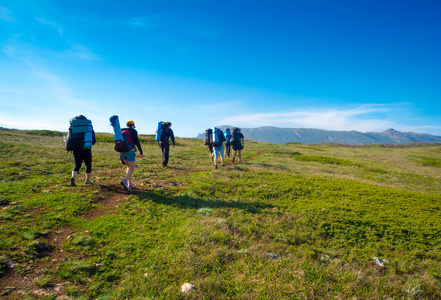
x=334, y=65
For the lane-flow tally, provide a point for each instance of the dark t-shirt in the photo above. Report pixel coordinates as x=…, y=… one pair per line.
x=239, y=140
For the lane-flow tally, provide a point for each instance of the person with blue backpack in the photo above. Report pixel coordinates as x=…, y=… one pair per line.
x=165, y=133
x=218, y=141
x=238, y=144
x=127, y=155
x=227, y=134
x=79, y=140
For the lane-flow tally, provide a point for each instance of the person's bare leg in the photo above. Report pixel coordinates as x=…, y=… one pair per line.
x=72, y=179
x=130, y=170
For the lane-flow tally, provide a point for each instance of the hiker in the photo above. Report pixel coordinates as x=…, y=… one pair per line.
x=164, y=142
x=238, y=144
x=227, y=134
x=79, y=140
x=218, y=141
x=208, y=141
x=129, y=156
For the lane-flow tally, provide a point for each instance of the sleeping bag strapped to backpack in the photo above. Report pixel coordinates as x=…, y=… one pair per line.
x=208, y=136
x=227, y=134
x=215, y=135
x=159, y=131
x=88, y=140
x=79, y=136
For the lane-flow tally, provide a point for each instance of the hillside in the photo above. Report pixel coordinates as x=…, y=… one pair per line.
x=292, y=222
x=275, y=135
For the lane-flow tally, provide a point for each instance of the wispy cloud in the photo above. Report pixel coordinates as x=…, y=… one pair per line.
x=82, y=52
x=363, y=118
x=6, y=14
x=55, y=26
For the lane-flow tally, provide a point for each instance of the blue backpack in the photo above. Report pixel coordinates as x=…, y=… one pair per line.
x=218, y=137
x=227, y=134
x=80, y=134
x=162, y=126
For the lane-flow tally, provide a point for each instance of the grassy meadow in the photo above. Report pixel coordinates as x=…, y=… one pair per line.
x=291, y=222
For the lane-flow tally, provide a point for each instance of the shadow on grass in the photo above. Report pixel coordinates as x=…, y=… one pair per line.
x=186, y=201
x=190, y=202
x=118, y=189
x=268, y=166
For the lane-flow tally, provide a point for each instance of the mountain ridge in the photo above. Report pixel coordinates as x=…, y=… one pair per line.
x=277, y=135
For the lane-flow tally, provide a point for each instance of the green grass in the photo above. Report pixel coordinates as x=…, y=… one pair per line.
x=293, y=222
x=325, y=160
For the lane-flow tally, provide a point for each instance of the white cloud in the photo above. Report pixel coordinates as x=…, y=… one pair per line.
x=364, y=118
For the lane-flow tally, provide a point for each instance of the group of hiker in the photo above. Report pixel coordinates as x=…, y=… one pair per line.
x=215, y=140
x=81, y=137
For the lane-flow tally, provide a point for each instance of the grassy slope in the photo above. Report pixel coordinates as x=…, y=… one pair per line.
x=293, y=222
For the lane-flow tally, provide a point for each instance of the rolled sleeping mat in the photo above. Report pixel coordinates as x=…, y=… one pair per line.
x=159, y=131
x=114, y=122
x=215, y=136
x=227, y=134
x=88, y=137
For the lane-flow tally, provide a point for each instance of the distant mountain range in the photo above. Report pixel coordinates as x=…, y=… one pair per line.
x=275, y=135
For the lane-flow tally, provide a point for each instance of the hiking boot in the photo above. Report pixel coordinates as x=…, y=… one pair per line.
x=223, y=165
x=88, y=182
x=215, y=166
x=72, y=182
x=124, y=184
x=130, y=186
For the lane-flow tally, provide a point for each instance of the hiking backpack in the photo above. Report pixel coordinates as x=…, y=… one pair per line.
x=126, y=144
x=162, y=126
x=79, y=136
x=218, y=137
x=208, y=137
x=235, y=136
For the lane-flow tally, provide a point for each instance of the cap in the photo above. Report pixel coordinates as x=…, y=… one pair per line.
x=131, y=123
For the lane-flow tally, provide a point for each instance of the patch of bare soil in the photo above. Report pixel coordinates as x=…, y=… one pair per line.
x=20, y=278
